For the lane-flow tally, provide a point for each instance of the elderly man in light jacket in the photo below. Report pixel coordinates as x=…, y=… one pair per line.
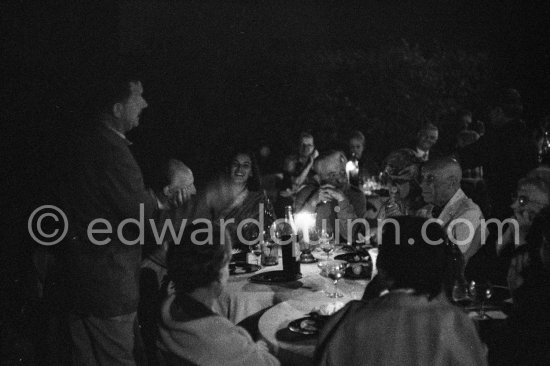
x=459, y=215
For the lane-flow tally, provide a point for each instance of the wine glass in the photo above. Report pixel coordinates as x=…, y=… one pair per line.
x=256, y=249
x=326, y=244
x=480, y=292
x=335, y=272
x=460, y=293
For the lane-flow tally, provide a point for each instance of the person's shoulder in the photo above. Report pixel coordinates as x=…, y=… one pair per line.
x=306, y=190
x=466, y=204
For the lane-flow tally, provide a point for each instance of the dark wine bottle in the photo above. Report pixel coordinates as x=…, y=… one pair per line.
x=287, y=236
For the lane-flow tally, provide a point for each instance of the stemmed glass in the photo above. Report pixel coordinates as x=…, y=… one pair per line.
x=460, y=293
x=480, y=293
x=326, y=243
x=335, y=272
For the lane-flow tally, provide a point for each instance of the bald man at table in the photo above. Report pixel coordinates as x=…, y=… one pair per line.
x=459, y=216
x=331, y=196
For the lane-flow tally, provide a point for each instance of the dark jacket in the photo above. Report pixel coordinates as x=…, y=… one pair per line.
x=103, y=181
x=506, y=154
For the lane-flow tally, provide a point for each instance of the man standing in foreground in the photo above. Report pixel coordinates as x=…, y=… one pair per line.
x=101, y=189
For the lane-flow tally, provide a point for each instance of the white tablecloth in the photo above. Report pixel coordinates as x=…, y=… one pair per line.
x=243, y=298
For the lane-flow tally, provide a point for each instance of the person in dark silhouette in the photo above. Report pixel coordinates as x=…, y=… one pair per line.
x=506, y=151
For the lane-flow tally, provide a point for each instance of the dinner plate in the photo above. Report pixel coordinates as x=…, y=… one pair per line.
x=359, y=265
x=487, y=307
x=308, y=325
x=361, y=257
x=274, y=277
x=238, y=268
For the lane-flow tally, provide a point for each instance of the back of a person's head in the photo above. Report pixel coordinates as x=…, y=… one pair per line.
x=413, y=255
x=398, y=160
x=196, y=262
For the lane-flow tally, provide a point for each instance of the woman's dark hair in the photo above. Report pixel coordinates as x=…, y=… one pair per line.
x=196, y=262
x=254, y=182
x=409, y=260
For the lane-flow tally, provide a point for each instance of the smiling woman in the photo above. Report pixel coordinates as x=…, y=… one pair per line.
x=235, y=196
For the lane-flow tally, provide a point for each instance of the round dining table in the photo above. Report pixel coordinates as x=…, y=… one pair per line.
x=243, y=299
x=293, y=348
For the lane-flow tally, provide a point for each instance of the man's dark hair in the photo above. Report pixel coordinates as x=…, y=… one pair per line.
x=419, y=266
x=111, y=87
x=192, y=266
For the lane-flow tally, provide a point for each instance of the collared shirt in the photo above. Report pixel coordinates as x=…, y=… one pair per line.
x=421, y=154
x=462, y=221
x=107, y=124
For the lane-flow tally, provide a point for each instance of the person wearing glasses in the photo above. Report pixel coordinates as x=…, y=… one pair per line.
x=493, y=261
x=459, y=216
x=531, y=197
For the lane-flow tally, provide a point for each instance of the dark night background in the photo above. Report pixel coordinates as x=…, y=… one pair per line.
x=218, y=72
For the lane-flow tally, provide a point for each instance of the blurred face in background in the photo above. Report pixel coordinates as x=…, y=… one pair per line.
x=427, y=138
x=241, y=169
x=531, y=199
x=356, y=147
x=332, y=170
x=306, y=146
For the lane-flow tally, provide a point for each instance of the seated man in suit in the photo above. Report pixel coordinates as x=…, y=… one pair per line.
x=460, y=216
x=332, y=197
x=425, y=140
